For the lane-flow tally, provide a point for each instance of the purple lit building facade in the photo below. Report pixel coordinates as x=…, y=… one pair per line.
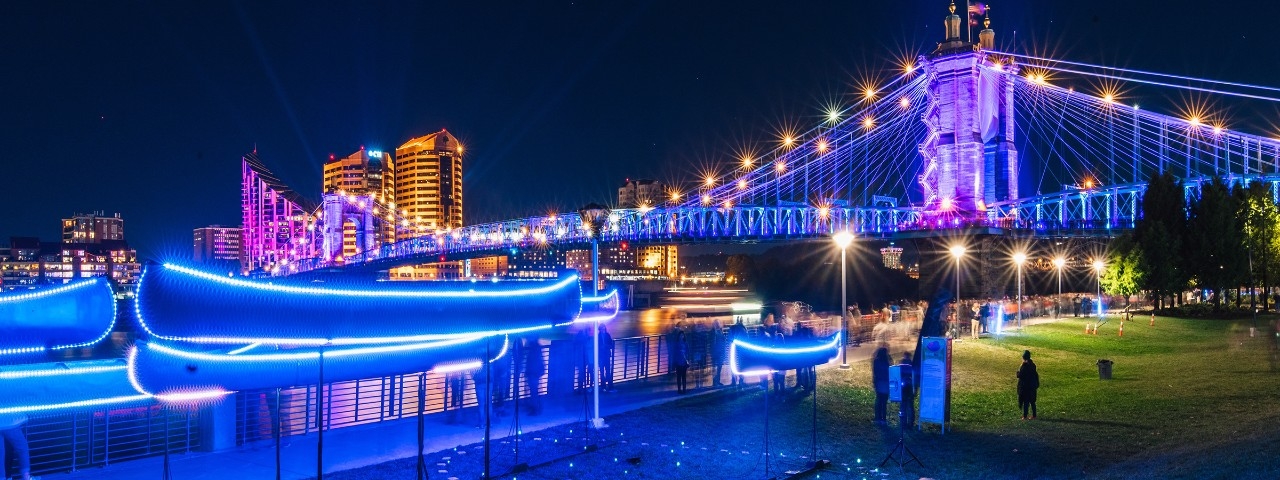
x=278, y=224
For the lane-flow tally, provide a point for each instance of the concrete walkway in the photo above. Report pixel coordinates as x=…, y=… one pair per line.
x=364, y=445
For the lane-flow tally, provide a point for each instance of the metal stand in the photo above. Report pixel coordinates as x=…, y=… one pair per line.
x=167, y=473
x=320, y=406
x=900, y=452
x=767, y=394
x=488, y=403
x=422, y=395
x=275, y=432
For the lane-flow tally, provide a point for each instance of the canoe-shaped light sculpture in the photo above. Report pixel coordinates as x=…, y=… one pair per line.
x=173, y=374
x=746, y=358
x=76, y=314
x=183, y=304
x=47, y=388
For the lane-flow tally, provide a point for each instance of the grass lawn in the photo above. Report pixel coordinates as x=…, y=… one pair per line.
x=1189, y=399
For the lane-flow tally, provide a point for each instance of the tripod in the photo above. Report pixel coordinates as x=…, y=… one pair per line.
x=900, y=452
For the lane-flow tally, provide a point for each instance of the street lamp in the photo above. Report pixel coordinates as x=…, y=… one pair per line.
x=1057, y=304
x=1097, y=267
x=843, y=239
x=957, y=251
x=593, y=218
x=1019, y=258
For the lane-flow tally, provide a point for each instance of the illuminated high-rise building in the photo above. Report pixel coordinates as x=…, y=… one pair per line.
x=891, y=256
x=370, y=175
x=428, y=197
x=216, y=243
x=428, y=183
x=92, y=227
x=277, y=223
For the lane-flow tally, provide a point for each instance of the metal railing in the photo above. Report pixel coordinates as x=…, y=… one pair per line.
x=75, y=441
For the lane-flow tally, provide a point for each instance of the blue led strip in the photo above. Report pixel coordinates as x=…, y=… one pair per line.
x=176, y=375
x=746, y=358
x=181, y=304
x=599, y=309
x=74, y=315
x=53, y=388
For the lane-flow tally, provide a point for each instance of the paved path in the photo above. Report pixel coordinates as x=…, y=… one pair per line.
x=364, y=445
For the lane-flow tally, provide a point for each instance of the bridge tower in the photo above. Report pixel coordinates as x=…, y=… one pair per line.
x=337, y=212
x=970, y=160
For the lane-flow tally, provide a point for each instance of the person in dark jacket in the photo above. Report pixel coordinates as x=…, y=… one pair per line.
x=606, y=359
x=907, y=407
x=718, y=351
x=737, y=331
x=880, y=378
x=680, y=360
x=582, y=358
x=1028, y=382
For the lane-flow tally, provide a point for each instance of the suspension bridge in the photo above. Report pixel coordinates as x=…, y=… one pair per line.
x=964, y=138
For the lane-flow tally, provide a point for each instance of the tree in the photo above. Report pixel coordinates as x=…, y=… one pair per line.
x=1158, y=237
x=1123, y=273
x=741, y=267
x=1215, y=243
x=1261, y=222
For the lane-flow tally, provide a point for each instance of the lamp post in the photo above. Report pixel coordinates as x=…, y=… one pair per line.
x=843, y=239
x=1019, y=258
x=593, y=217
x=1097, y=267
x=1057, y=304
x=957, y=251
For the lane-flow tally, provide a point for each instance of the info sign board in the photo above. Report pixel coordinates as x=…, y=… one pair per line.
x=935, y=381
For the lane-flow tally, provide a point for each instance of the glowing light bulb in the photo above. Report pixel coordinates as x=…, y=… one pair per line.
x=710, y=181
x=869, y=92
x=780, y=166
x=742, y=184
x=788, y=141
x=868, y=122
x=706, y=199
x=822, y=145
x=905, y=102
x=833, y=115
x=1019, y=258
x=746, y=161
x=1194, y=121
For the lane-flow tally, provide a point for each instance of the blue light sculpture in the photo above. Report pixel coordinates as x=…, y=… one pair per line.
x=74, y=315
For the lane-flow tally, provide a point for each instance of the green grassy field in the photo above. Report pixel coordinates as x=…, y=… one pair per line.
x=1189, y=399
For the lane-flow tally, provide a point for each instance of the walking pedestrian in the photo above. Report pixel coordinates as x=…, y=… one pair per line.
x=679, y=360
x=718, y=350
x=11, y=433
x=1028, y=383
x=880, y=379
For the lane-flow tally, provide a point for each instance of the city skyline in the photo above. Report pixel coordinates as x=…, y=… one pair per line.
x=149, y=116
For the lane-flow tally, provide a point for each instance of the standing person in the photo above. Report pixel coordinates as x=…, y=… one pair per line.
x=11, y=433
x=502, y=379
x=718, y=350
x=679, y=360
x=606, y=359
x=907, y=408
x=582, y=354
x=737, y=331
x=455, y=385
x=880, y=378
x=534, y=368
x=855, y=319
x=1028, y=382
x=779, y=376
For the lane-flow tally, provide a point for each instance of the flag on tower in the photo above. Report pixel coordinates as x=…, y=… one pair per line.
x=976, y=11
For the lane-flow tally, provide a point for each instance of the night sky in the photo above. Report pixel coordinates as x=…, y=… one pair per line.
x=145, y=109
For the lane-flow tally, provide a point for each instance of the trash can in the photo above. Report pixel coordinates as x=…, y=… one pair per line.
x=1104, y=369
